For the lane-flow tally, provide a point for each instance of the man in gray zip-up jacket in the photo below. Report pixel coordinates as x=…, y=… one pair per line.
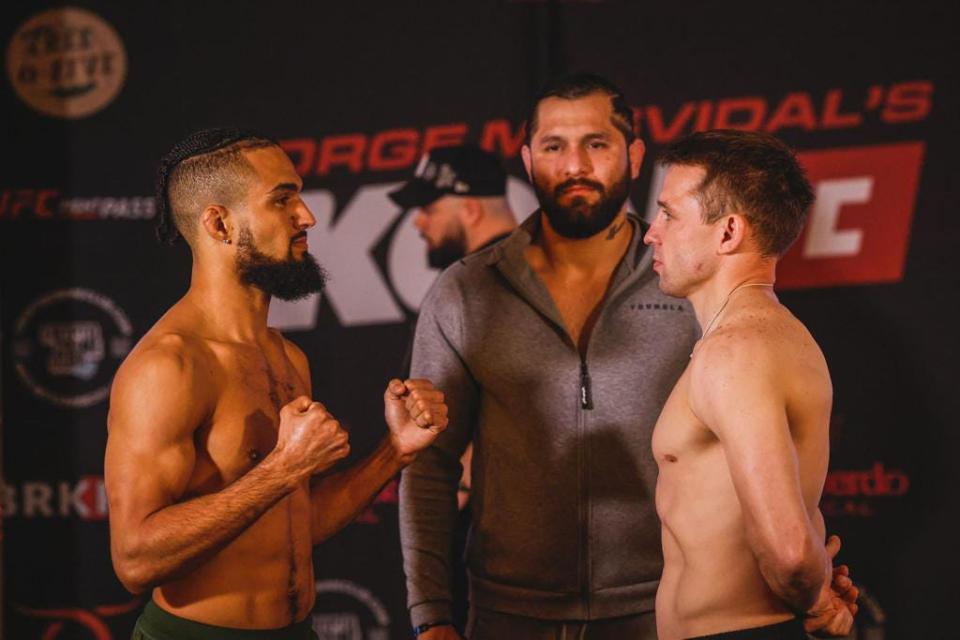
x=565, y=530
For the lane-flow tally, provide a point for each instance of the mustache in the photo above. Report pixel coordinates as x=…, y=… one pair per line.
x=578, y=182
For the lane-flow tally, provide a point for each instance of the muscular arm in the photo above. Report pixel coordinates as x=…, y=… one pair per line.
x=158, y=400
x=338, y=498
x=735, y=391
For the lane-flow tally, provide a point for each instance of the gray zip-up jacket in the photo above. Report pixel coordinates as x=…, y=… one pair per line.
x=564, y=523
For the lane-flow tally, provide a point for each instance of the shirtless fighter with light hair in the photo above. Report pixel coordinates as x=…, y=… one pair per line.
x=217, y=461
x=742, y=442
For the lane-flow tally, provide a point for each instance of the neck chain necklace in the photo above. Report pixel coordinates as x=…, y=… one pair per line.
x=724, y=305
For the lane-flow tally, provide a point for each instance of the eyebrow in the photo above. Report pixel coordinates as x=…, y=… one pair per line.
x=663, y=205
x=285, y=186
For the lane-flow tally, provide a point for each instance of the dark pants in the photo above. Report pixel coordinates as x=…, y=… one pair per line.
x=789, y=630
x=493, y=625
x=156, y=624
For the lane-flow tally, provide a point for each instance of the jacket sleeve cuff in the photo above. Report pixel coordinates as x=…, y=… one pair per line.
x=429, y=612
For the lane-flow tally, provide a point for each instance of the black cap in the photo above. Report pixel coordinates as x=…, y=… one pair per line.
x=466, y=170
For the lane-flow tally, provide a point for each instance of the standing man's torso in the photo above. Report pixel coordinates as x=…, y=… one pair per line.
x=711, y=580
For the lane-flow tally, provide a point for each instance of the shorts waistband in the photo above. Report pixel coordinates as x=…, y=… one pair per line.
x=788, y=630
x=158, y=624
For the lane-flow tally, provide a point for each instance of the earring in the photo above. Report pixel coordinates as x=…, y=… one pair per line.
x=226, y=241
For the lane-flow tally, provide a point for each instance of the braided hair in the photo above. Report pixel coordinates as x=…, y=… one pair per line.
x=219, y=147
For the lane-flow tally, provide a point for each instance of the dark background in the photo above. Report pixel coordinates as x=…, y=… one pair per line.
x=314, y=70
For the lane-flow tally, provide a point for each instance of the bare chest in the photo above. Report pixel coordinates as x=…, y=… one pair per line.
x=243, y=428
x=577, y=303
x=679, y=436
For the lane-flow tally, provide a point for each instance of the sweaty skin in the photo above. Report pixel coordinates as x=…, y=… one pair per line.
x=217, y=461
x=747, y=421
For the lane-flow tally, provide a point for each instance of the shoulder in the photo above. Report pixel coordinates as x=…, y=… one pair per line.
x=163, y=363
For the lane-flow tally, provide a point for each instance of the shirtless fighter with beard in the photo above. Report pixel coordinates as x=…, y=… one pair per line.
x=216, y=452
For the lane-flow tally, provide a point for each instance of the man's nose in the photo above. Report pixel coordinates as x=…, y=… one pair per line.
x=577, y=161
x=303, y=218
x=420, y=221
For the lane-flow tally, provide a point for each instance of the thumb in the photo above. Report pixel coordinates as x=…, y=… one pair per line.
x=300, y=404
x=833, y=546
x=396, y=389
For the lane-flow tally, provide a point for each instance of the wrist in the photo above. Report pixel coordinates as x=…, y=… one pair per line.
x=396, y=453
x=419, y=629
x=275, y=466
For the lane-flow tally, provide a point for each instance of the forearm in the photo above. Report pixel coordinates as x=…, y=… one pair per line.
x=428, y=516
x=336, y=500
x=173, y=541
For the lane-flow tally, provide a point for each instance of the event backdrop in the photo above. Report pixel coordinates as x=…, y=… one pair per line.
x=93, y=93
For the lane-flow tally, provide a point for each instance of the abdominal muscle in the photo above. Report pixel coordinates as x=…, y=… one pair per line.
x=263, y=579
x=711, y=581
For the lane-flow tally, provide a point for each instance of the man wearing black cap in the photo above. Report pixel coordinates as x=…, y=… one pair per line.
x=460, y=193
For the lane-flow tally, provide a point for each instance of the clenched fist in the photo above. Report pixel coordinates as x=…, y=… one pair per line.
x=415, y=413
x=309, y=439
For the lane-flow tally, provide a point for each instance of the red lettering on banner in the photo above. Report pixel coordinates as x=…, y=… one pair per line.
x=342, y=151
x=447, y=135
x=908, y=101
x=302, y=152
x=393, y=149
x=755, y=109
x=704, y=111
x=859, y=227
x=499, y=133
x=661, y=133
x=796, y=110
x=875, y=482
x=832, y=118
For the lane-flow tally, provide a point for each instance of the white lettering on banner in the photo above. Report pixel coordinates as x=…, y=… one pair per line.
x=357, y=291
x=36, y=499
x=823, y=238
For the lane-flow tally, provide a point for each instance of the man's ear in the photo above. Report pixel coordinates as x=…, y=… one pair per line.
x=470, y=212
x=734, y=231
x=216, y=223
x=635, y=153
x=527, y=160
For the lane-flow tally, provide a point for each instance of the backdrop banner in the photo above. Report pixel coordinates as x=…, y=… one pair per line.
x=94, y=93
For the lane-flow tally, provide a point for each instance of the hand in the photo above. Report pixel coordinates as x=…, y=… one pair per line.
x=443, y=632
x=832, y=614
x=415, y=413
x=309, y=439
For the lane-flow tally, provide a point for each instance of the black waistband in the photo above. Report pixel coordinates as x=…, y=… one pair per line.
x=157, y=624
x=787, y=630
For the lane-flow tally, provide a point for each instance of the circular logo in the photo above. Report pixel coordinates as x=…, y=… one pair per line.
x=66, y=62
x=68, y=344
x=346, y=611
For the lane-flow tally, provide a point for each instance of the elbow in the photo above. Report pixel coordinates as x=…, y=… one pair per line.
x=798, y=567
x=133, y=574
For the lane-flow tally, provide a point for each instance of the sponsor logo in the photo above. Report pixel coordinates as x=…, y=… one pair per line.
x=66, y=62
x=66, y=622
x=656, y=306
x=85, y=498
x=68, y=344
x=50, y=204
x=856, y=492
x=345, y=610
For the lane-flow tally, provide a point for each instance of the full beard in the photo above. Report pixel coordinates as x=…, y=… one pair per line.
x=579, y=219
x=450, y=249
x=288, y=279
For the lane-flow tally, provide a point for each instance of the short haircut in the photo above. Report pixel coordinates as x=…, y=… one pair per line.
x=206, y=167
x=581, y=85
x=753, y=173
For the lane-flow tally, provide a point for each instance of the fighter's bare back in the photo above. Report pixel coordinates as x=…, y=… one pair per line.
x=711, y=579
x=239, y=391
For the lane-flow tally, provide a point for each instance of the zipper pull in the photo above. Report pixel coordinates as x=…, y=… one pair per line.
x=586, y=397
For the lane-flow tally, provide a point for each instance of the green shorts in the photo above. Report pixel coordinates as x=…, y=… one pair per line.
x=156, y=624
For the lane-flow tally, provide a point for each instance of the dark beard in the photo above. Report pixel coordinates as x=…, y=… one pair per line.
x=579, y=219
x=289, y=279
x=449, y=251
